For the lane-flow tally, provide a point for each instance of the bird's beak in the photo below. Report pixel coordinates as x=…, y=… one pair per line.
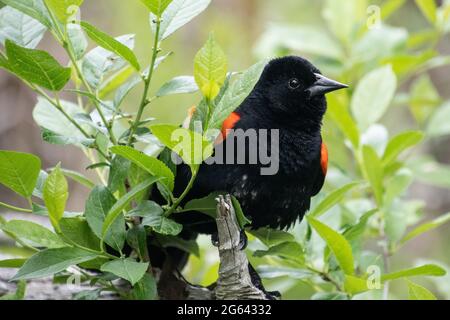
x=324, y=85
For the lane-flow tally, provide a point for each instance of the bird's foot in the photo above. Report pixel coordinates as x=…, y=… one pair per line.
x=243, y=241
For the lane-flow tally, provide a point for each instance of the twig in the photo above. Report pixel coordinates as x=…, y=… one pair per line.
x=235, y=281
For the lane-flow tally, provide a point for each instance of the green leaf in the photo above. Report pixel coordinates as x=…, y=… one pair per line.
x=88, y=295
x=272, y=237
x=354, y=232
x=179, y=13
x=78, y=231
x=156, y=6
x=12, y=263
x=109, y=43
x=33, y=234
x=12, y=27
x=425, y=227
x=337, y=244
x=240, y=215
x=99, y=63
x=178, y=85
x=55, y=196
x=400, y=143
x=127, y=269
x=192, y=147
x=153, y=216
x=33, y=8
x=47, y=117
x=58, y=139
x=123, y=202
x=425, y=270
x=417, y=292
x=236, y=94
x=125, y=89
x=425, y=99
x=429, y=9
x=52, y=261
x=98, y=204
x=137, y=239
x=78, y=177
x=373, y=96
x=338, y=111
x=344, y=18
x=64, y=9
x=355, y=285
x=19, y=171
x=332, y=199
x=374, y=172
x=145, y=289
x=37, y=67
x=118, y=173
x=438, y=124
x=289, y=250
x=210, y=68
x=152, y=165
x=206, y=205
x=162, y=225
x=77, y=40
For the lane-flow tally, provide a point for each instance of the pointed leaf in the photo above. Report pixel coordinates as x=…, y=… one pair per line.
x=332, y=199
x=20, y=28
x=37, y=67
x=98, y=204
x=55, y=195
x=51, y=261
x=337, y=244
x=33, y=234
x=19, y=171
x=236, y=94
x=109, y=43
x=127, y=269
x=179, y=13
x=210, y=68
x=152, y=165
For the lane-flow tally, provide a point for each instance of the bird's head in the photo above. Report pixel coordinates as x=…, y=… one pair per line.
x=295, y=88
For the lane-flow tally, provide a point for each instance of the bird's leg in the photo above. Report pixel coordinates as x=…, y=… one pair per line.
x=215, y=239
x=257, y=282
x=243, y=241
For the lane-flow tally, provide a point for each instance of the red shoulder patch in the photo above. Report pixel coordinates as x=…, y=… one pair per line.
x=324, y=159
x=229, y=123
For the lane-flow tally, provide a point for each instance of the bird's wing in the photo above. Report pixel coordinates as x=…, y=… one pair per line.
x=322, y=172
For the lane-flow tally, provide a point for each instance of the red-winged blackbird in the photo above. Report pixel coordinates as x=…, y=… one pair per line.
x=290, y=97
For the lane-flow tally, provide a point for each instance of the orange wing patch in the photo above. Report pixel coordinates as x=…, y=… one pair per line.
x=229, y=123
x=324, y=159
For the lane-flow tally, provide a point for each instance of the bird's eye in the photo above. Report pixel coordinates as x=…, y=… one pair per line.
x=294, y=84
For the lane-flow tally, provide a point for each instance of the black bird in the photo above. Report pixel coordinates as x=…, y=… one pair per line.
x=290, y=97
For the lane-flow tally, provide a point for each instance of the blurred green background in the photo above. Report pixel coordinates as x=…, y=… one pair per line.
x=252, y=29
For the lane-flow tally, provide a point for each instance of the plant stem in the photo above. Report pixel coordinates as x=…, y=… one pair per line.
x=325, y=276
x=184, y=194
x=67, y=45
x=58, y=106
x=11, y=207
x=147, y=82
x=97, y=106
